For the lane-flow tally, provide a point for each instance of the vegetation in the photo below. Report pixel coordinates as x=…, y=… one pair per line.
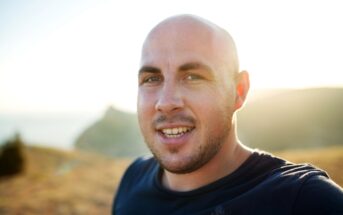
x=293, y=119
x=59, y=182
x=12, y=160
x=116, y=134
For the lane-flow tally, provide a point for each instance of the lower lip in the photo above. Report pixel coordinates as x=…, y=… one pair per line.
x=177, y=141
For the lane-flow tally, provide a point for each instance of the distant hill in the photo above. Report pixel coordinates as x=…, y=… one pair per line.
x=293, y=119
x=271, y=120
x=116, y=134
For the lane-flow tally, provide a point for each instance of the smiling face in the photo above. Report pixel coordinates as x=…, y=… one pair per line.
x=186, y=96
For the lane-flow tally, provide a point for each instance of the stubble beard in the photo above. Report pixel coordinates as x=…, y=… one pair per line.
x=202, y=155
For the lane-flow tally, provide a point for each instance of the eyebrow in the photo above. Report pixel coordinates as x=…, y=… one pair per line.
x=183, y=68
x=148, y=69
x=194, y=65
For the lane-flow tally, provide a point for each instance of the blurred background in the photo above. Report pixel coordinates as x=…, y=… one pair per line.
x=68, y=83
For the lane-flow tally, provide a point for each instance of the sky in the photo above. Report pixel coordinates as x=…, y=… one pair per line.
x=82, y=55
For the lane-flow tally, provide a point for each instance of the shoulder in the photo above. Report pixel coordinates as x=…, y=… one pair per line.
x=319, y=195
x=303, y=188
x=290, y=175
x=308, y=188
x=278, y=169
x=285, y=170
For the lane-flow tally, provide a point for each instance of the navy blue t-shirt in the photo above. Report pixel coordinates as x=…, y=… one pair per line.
x=263, y=184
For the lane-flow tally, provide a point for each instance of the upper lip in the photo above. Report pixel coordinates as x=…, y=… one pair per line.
x=173, y=125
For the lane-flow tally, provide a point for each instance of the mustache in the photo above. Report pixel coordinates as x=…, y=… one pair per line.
x=172, y=119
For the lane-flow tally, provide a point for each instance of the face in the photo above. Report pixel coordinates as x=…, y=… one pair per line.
x=186, y=97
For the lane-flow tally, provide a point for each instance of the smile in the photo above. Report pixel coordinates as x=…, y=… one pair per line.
x=175, y=132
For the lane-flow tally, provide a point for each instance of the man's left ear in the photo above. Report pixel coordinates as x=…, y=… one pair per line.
x=242, y=88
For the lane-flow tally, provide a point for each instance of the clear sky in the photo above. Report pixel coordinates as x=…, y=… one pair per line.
x=67, y=56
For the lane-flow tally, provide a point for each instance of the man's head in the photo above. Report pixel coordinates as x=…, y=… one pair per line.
x=189, y=89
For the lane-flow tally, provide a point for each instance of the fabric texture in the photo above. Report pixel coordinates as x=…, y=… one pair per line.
x=263, y=184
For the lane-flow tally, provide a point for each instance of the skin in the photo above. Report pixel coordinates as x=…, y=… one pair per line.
x=189, y=79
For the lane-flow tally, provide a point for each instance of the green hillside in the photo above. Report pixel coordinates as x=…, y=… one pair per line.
x=271, y=120
x=293, y=119
x=115, y=134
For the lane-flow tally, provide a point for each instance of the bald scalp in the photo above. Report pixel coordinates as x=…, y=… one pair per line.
x=187, y=27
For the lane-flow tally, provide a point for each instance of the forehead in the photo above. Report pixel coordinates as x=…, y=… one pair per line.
x=181, y=41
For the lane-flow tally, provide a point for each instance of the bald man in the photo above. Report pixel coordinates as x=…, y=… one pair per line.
x=190, y=88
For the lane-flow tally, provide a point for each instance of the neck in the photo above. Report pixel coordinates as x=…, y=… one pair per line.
x=227, y=160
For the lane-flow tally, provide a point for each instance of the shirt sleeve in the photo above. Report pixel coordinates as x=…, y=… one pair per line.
x=319, y=195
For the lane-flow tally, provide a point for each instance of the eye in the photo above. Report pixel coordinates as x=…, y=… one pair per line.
x=192, y=77
x=153, y=79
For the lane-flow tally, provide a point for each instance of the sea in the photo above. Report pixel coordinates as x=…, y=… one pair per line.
x=56, y=130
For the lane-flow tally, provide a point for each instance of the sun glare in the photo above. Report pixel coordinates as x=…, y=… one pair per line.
x=90, y=59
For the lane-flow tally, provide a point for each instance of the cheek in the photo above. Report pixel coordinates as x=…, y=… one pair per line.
x=145, y=108
x=143, y=100
x=214, y=110
x=210, y=100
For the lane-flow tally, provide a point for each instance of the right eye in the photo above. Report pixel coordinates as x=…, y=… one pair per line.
x=151, y=79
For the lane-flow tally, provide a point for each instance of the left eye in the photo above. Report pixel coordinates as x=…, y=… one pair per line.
x=192, y=77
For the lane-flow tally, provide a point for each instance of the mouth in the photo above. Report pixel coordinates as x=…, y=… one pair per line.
x=175, y=132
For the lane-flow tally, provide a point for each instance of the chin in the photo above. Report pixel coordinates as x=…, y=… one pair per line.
x=180, y=164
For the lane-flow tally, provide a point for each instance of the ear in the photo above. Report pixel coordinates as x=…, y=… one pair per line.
x=242, y=88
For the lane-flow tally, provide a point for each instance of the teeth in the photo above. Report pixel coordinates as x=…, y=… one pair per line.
x=175, y=132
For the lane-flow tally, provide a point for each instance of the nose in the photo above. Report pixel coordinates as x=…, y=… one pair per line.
x=169, y=99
